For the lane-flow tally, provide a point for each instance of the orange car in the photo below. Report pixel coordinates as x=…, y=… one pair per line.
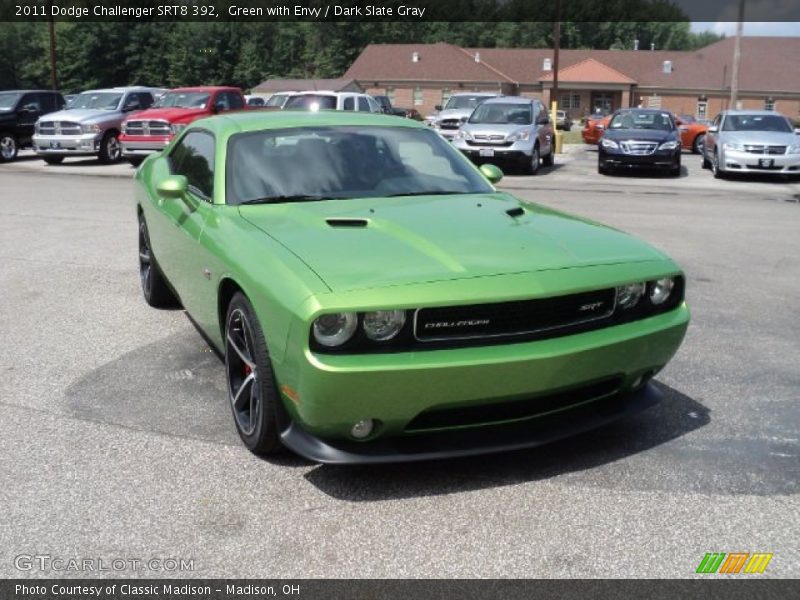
x=693, y=133
x=594, y=127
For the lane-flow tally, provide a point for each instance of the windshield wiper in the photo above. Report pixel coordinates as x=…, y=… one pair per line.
x=430, y=193
x=285, y=199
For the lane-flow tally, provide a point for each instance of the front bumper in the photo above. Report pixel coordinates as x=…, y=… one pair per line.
x=519, y=151
x=744, y=162
x=87, y=144
x=448, y=134
x=661, y=159
x=138, y=145
x=330, y=393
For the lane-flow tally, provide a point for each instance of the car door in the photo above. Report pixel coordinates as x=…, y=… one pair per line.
x=712, y=136
x=178, y=252
x=29, y=109
x=543, y=130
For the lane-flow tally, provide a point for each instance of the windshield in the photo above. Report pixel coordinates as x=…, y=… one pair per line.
x=756, y=123
x=276, y=100
x=9, y=101
x=462, y=102
x=320, y=163
x=183, y=100
x=99, y=100
x=641, y=120
x=312, y=102
x=502, y=114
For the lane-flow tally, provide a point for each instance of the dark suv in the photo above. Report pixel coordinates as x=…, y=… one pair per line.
x=19, y=110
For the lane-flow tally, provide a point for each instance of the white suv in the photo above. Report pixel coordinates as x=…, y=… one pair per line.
x=332, y=101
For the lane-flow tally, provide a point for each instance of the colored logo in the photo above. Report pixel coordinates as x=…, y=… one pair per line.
x=734, y=562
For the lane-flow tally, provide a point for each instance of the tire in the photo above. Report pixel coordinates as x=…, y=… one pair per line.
x=706, y=164
x=676, y=170
x=550, y=159
x=135, y=160
x=155, y=289
x=252, y=392
x=532, y=166
x=9, y=147
x=715, y=170
x=53, y=160
x=110, y=150
x=699, y=143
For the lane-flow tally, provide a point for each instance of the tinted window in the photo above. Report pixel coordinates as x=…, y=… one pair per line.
x=31, y=102
x=234, y=100
x=756, y=123
x=8, y=101
x=183, y=100
x=642, y=120
x=503, y=114
x=50, y=102
x=99, y=100
x=255, y=102
x=194, y=157
x=349, y=103
x=276, y=100
x=363, y=105
x=312, y=102
x=464, y=101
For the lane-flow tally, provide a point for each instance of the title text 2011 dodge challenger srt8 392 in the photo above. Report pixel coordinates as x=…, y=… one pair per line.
x=377, y=299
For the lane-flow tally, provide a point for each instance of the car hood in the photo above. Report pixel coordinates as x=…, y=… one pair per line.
x=769, y=138
x=454, y=113
x=650, y=135
x=170, y=114
x=494, y=128
x=369, y=243
x=82, y=115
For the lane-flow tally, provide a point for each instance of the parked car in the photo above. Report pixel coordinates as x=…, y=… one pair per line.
x=357, y=329
x=508, y=129
x=742, y=141
x=255, y=101
x=385, y=104
x=563, y=121
x=19, y=110
x=151, y=130
x=90, y=125
x=278, y=100
x=640, y=138
x=693, y=133
x=459, y=107
x=408, y=113
x=593, y=128
x=325, y=100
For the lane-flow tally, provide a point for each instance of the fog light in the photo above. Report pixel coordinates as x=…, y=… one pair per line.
x=362, y=429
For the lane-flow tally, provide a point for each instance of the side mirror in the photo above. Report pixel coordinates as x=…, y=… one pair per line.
x=491, y=172
x=713, y=129
x=438, y=107
x=174, y=186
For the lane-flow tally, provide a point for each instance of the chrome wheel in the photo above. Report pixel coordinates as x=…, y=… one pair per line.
x=244, y=389
x=699, y=144
x=535, y=160
x=113, y=150
x=715, y=170
x=8, y=147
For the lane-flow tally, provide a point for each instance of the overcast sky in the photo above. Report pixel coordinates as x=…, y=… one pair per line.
x=750, y=28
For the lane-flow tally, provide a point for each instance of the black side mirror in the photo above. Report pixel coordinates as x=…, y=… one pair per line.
x=438, y=107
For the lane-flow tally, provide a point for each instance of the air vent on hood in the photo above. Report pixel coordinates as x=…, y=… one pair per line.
x=515, y=212
x=343, y=222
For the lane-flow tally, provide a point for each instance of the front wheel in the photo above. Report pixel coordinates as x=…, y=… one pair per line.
x=155, y=289
x=550, y=159
x=110, y=151
x=716, y=170
x=9, y=147
x=699, y=143
x=251, y=383
x=534, y=162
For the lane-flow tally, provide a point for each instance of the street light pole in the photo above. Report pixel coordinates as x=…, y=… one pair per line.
x=737, y=52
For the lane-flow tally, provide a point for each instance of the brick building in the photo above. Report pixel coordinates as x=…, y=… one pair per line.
x=685, y=82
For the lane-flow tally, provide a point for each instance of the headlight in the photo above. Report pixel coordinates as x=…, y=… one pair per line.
x=629, y=295
x=732, y=146
x=671, y=145
x=335, y=329
x=608, y=143
x=793, y=149
x=91, y=129
x=463, y=135
x=176, y=128
x=383, y=325
x=523, y=134
x=661, y=289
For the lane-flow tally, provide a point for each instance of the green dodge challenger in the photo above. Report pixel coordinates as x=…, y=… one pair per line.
x=376, y=299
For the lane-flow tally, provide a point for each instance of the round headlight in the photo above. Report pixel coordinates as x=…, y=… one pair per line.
x=661, y=289
x=628, y=295
x=335, y=329
x=383, y=325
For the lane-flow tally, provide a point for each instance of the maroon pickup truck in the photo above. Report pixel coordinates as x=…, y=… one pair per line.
x=149, y=131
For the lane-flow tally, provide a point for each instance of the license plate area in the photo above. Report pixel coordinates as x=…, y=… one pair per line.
x=766, y=163
x=486, y=152
x=55, y=145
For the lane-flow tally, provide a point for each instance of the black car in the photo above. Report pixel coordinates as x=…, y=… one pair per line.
x=19, y=110
x=640, y=138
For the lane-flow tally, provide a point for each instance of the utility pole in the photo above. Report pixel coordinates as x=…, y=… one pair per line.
x=554, y=93
x=52, y=27
x=737, y=51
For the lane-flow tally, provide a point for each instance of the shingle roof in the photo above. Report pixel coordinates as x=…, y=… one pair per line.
x=589, y=71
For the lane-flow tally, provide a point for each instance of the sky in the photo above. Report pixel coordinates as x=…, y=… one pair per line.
x=750, y=28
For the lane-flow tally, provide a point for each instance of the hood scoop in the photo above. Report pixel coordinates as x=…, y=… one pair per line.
x=515, y=212
x=346, y=223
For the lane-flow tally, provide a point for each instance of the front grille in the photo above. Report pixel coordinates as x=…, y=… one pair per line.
x=147, y=128
x=59, y=128
x=761, y=149
x=638, y=148
x=450, y=123
x=520, y=317
x=494, y=144
x=486, y=414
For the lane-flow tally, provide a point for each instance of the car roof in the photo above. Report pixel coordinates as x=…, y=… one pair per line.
x=207, y=88
x=509, y=100
x=752, y=112
x=28, y=92
x=236, y=122
x=643, y=110
x=326, y=92
x=132, y=88
x=474, y=94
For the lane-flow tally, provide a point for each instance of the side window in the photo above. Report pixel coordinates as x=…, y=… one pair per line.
x=234, y=101
x=349, y=103
x=48, y=103
x=222, y=102
x=146, y=99
x=717, y=121
x=31, y=102
x=363, y=105
x=193, y=157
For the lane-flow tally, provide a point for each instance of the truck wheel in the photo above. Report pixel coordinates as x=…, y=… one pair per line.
x=110, y=150
x=53, y=160
x=9, y=147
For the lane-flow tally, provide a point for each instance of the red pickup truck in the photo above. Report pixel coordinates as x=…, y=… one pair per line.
x=150, y=130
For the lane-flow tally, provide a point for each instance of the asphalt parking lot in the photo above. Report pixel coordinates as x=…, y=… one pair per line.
x=116, y=440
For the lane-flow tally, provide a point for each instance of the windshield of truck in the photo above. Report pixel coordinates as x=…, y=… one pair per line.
x=311, y=102
x=98, y=100
x=183, y=100
x=276, y=100
x=463, y=102
x=9, y=101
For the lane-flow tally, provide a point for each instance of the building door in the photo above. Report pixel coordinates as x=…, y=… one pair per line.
x=603, y=103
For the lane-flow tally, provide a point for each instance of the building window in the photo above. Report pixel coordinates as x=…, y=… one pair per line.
x=446, y=96
x=702, y=109
x=570, y=101
x=417, y=96
x=654, y=101
x=390, y=94
x=769, y=104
